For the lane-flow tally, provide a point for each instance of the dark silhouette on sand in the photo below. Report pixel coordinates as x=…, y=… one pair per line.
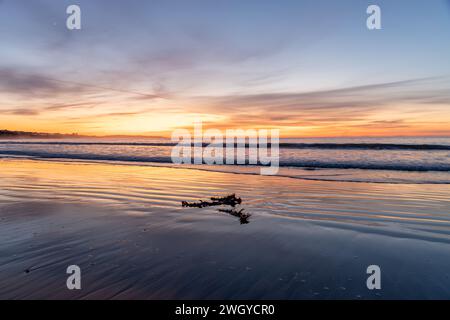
x=230, y=200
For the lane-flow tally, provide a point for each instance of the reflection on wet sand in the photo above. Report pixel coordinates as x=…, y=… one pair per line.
x=243, y=216
x=124, y=226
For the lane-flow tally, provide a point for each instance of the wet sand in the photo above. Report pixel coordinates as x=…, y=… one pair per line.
x=125, y=227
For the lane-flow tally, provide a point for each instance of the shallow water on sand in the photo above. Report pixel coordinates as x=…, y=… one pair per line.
x=413, y=160
x=125, y=227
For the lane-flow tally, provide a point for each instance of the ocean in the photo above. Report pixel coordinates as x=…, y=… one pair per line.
x=406, y=160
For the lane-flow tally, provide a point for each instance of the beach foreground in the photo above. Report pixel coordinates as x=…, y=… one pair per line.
x=125, y=227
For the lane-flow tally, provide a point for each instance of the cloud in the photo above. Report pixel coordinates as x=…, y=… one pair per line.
x=20, y=112
x=28, y=84
x=351, y=99
x=349, y=106
x=59, y=106
x=13, y=81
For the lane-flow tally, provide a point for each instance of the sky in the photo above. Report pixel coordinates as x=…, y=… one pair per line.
x=309, y=68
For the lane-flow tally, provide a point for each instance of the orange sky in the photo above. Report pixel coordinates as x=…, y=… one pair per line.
x=372, y=110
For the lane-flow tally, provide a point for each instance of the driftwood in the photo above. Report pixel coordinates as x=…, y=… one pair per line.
x=230, y=200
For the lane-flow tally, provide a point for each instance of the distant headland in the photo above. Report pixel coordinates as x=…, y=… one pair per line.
x=26, y=134
x=10, y=134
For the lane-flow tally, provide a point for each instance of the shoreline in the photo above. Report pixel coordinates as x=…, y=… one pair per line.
x=246, y=169
x=126, y=229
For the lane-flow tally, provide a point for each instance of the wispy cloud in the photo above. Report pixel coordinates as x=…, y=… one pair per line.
x=20, y=112
x=401, y=103
x=13, y=81
x=336, y=102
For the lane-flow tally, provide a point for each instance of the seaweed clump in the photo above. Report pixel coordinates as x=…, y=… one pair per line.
x=230, y=200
